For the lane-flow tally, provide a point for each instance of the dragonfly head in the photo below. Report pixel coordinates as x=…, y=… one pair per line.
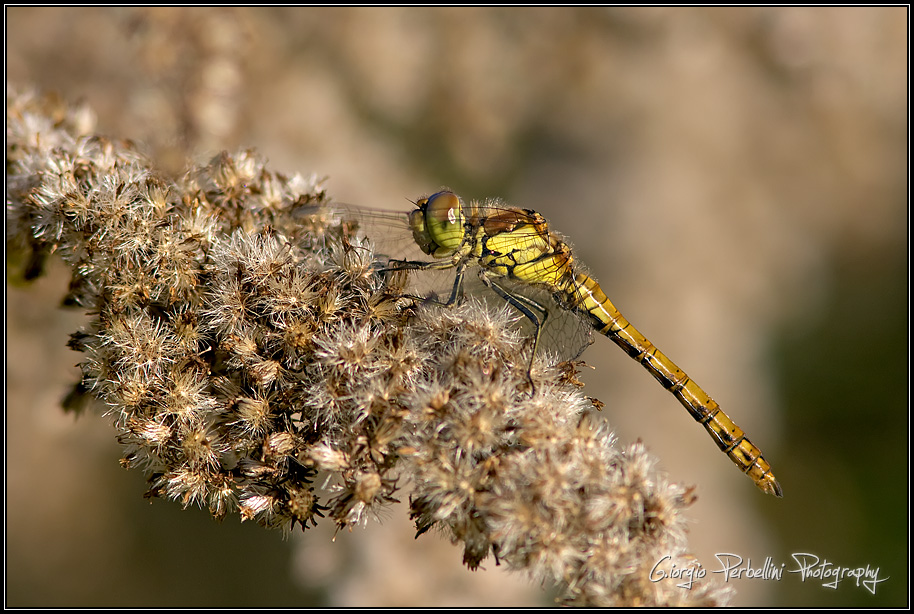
x=438, y=224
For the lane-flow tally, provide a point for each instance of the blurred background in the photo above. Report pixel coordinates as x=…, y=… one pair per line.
x=735, y=178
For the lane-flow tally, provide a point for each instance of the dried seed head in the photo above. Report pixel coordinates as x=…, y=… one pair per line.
x=254, y=415
x=245, y=341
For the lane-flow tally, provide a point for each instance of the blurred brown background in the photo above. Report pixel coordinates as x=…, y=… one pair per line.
x=735, y=178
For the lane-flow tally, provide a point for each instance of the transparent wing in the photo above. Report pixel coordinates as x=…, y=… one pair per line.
x=564, y=333
x=390, y=238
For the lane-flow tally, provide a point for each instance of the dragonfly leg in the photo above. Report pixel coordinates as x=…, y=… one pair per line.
x=415, y=265
x=534, y=312
x=457, y=290
x=419, y=265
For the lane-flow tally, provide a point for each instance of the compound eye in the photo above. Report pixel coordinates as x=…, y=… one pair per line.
x=443, y=208
x=444, y=219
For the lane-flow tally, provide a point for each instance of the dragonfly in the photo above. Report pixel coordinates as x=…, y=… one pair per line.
x=515, y=250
